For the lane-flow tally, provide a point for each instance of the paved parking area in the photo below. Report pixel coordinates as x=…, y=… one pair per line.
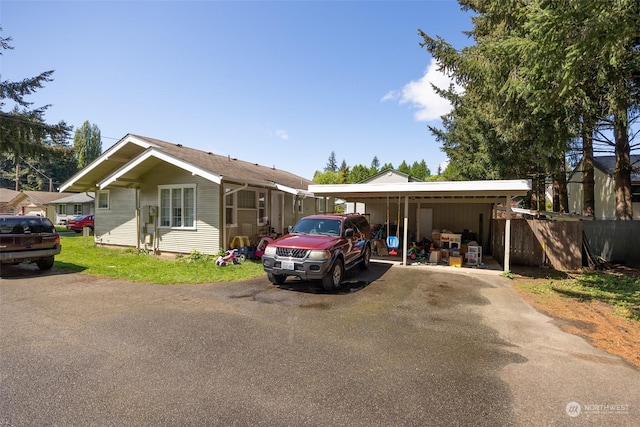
x=395, y=346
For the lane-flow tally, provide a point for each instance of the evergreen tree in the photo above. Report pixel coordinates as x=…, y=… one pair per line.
x=386, y=166
x=404, y=168
x=359, y=173
x=375, y=164
x=87, y=144
x=343, y=173
x=540, y=74
x=420, y=170
x=332, y=165
x=23, y=130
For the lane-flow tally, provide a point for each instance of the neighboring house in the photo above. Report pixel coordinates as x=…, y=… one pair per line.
x=6, y=195
x=390, y=176
x=604, y=188
x=166, y=197
x=36, y=203
x=74, y=205
x=387, y=176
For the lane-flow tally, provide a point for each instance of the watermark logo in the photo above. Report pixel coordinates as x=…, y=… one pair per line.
x=574, y=409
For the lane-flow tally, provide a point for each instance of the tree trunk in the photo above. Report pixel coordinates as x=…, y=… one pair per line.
x=542, y=193
x=622, y=171
x=588, y=180
x=562, y=186
x=560, y=194
x=556, y=194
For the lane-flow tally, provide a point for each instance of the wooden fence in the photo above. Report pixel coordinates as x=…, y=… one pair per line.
x=557, y=244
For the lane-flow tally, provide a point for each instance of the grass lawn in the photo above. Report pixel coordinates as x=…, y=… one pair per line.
x=620, y=291
x=80, y=254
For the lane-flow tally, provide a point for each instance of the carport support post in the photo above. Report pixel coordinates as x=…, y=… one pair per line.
x=404, y=234
x=507, y=235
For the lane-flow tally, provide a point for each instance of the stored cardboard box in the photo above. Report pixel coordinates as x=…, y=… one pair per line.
x=455, y=261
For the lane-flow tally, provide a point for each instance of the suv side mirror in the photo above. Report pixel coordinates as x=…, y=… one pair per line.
x=348, y=232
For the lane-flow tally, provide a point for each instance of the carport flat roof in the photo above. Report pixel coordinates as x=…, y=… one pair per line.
x=433, y=191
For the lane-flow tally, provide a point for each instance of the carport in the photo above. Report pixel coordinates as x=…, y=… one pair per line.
x=461, y=193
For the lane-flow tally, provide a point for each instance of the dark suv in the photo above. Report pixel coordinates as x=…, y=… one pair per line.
x=28, y=239
x=321, y=246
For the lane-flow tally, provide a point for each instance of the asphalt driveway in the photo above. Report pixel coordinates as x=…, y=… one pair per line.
x=395, y=346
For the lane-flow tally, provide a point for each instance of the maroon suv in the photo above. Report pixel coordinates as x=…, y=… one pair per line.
x=28, y=239
x=321, y=246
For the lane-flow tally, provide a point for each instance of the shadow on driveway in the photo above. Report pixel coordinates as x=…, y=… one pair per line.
x=354, y=280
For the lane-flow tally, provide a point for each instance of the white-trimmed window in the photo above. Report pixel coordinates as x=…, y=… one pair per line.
x=244, y=201
x=77, y=209
x=262, y=208
x=103, y=199
x=177, y=206
x=62, y=209
x=229, y=212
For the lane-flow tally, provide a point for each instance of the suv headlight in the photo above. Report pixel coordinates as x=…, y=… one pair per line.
x=319, y=254
x=270, y=250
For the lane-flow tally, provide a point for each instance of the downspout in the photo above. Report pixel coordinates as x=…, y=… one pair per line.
x=94, y=201
x=507, y=236
x=138, y=219
x=224, y=211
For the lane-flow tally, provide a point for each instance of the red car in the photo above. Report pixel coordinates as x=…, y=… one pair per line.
x=78, y=223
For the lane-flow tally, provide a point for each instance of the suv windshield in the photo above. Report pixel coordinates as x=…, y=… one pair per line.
x=329, y=227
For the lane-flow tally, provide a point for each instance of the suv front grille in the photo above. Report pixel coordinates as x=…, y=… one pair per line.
x=292, y=253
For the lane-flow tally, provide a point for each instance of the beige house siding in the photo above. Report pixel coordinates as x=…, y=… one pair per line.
x=576, y=194
x=206, y=235
x=117, y=224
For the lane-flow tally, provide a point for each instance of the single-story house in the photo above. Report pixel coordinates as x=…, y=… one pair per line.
x=169, y=198
x=6, y=195
x=74, y=205
x=604, y=188
x=35, y=203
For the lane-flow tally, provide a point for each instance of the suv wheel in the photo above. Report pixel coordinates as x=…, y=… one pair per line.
x=333, y=278
x=276, y=279
x=45, y=263
x=366, y=257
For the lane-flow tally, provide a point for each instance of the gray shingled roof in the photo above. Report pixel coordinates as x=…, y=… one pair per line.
x=230, y=168
x=607, y=164
x=7, y=194
x=77, y=198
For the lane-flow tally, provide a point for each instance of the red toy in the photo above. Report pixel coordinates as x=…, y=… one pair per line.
x=230, y=257
x=264, y=242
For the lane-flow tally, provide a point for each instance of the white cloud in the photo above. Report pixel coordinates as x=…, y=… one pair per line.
x=419, y=93
x=282, y=134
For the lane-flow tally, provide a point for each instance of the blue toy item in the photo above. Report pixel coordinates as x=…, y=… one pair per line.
x=392, y=243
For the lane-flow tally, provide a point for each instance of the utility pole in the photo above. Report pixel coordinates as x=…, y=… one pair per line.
x=35, y=169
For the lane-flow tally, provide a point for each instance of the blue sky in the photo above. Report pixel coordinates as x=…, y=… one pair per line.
x=279, y=83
